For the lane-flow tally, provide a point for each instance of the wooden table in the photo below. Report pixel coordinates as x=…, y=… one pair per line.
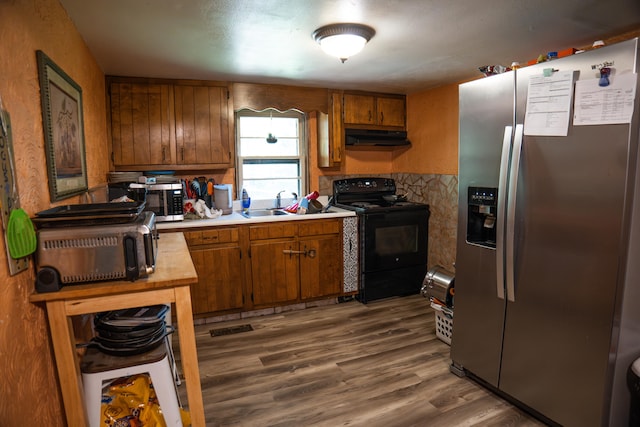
x=168, y=284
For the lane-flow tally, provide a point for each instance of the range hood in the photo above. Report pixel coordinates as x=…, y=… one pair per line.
x=380, y=138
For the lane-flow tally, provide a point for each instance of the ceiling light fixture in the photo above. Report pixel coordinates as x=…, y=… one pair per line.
x=343, y=40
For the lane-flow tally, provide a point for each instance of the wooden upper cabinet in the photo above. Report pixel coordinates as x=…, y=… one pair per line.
x=330, y=133
x=141, y=124
x=391, y=111
x=374, y=111
x=359, y=109
x=170, y=124
x=202, y=126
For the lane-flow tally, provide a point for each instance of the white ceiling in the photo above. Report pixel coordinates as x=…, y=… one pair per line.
x=419, y=44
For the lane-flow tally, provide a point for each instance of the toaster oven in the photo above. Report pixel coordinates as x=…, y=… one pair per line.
x=76, y=254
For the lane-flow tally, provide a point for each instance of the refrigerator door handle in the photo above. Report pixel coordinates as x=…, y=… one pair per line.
x=502, y=186
x=511, y=211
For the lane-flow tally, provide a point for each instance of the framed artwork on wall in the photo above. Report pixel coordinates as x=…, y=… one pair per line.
x=62, y=119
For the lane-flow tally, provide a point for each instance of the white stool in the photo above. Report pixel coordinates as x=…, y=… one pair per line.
x=97, y=367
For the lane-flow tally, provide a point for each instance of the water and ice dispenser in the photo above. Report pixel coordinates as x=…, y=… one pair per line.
x=481, y=216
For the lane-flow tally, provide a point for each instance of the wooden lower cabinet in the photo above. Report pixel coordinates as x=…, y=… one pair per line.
x=274, y=272
x=321, y=264
x=257, y=266
x=297, y=262
x=321, y=267
x=217, y=257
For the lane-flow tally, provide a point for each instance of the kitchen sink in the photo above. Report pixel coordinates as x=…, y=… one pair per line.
x=254, y=213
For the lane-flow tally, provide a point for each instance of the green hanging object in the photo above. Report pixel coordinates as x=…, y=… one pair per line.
x=21, y=236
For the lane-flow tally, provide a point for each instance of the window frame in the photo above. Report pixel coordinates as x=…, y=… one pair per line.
x=303, y=144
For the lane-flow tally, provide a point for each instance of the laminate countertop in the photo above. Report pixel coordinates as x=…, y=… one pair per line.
x=236, y=218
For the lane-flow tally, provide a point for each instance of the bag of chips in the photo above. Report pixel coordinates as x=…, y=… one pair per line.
x=132, y=402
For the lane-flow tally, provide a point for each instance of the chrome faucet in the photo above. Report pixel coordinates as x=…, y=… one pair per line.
x=278, y=199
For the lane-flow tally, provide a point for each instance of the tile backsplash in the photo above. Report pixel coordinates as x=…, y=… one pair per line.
x=440, y=192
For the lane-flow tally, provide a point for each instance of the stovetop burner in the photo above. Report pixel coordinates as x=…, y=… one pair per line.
x=370, y=195
x=364, y=205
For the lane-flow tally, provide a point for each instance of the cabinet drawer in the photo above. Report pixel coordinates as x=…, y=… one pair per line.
x=272, y=230
x=317, y=227
x=211, y=236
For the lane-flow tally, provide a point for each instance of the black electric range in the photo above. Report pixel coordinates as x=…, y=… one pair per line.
x=393, y=236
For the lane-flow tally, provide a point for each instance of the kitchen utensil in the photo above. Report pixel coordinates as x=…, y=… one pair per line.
x=190, y=193
x=21, y=236
x=88, y=214
x=314, y=206
x=184, y=189
x=93, y=209
x=195, y=185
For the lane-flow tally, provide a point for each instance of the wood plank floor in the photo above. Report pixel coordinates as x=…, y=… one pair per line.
x=346, y=364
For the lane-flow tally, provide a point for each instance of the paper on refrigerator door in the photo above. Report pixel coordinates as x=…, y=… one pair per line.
x=549, y=104
x=612, y=104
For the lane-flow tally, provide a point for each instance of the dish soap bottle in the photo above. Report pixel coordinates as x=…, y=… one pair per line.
x=246, y=201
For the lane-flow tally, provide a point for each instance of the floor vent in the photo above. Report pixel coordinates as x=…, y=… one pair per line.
x=230, y=331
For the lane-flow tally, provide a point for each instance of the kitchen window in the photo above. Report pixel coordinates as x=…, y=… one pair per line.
x=271, y=150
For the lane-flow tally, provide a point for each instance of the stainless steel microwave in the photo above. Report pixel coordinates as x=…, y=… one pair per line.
x=164, y=200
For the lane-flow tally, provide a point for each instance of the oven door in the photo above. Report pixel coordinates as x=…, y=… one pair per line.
x=394, y=239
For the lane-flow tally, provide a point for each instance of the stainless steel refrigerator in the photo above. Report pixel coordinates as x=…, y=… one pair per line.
x=547, y=303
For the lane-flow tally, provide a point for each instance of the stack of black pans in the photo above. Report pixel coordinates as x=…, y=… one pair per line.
x=131, y=331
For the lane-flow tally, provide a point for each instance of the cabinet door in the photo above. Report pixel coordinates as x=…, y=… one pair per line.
x=359, y=109
x=321, y=266
x=336, y=129
x=274, y=272
x=219, y=284
x=202, y=126
x=391, y=111
x=330, y=133
x=141, y=124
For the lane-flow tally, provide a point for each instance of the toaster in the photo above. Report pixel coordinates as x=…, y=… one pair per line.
x=83, y=253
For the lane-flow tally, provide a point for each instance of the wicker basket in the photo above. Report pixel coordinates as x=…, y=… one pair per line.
x=444, y=323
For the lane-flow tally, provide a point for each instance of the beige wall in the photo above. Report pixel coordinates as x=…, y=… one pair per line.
x=28, y=390
x=432, y=125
